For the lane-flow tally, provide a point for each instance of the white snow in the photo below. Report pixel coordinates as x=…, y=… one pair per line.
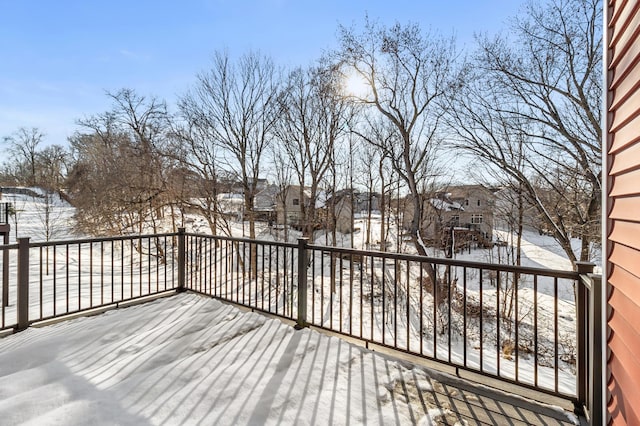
x=538, y=250
x=188, y=359
x=34, y=216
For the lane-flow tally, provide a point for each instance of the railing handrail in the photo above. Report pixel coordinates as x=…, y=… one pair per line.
x=242, y=240
x=89, y=240
x=559, y=273
x=453, y=262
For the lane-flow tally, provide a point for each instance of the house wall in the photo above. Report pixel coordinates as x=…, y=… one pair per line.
x=292, y=213
x=623, y=211
x=469, y=197
x=343, y=215
x=429, y=226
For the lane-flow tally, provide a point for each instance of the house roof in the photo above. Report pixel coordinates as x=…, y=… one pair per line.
x=463, y=191
x=445, y=205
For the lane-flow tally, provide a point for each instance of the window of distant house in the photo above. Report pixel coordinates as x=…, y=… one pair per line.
x=466, y=202
x=296, y=202
x=476, y=218
x=478, y=202
x=455, y=219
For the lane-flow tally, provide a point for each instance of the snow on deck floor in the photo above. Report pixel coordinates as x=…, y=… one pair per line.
x=188, y=359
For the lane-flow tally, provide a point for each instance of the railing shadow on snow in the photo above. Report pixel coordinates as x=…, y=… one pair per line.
x=532, y=327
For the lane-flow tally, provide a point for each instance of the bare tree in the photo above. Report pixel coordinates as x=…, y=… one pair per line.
x=199, y=183
x=52, y=162
x=236, y=105
x=51, y=219
x=543, y=81
x=30, y=164
x=314, y=116
x=408, y=74
x=23, y=148
x=119, y=179
x=283, y=178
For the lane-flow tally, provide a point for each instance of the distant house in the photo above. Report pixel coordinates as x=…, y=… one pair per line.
x=231, y=204
x=289, y=205
x=291, y=202
x=265, y=203
x=438, y=211
x=350, y=203
x=466, y=207
x=477, y=209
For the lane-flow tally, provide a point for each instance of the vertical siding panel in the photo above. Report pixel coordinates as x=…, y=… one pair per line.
x=623, y=211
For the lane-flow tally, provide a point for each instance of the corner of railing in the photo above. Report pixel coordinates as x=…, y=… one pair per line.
x=584, y=268
x=182, y=260
x=589, y=305
x=303, y=260
x=597, y=351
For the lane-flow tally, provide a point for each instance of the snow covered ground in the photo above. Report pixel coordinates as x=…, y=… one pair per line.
x=193, y=360
x=40, y=219
x=538, y=251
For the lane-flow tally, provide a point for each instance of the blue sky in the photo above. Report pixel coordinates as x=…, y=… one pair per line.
x=57, y=59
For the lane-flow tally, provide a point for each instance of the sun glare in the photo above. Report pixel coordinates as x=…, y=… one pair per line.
x=355, y=85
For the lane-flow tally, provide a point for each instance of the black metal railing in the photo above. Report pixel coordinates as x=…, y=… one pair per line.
x=5, y=212
x=516, y=324
x=47, y=280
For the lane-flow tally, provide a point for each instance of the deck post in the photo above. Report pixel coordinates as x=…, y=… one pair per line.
x=584, y=313
x=303, y=261
x=182, y=259
x=23, y=284
x=596, y=352
x=5, y=269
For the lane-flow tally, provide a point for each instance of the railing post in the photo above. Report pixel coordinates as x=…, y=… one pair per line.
x=182, y=259
x=584, y=340
x=303, y=260
x=5, y=271
x=23, y=283
x=597, y=350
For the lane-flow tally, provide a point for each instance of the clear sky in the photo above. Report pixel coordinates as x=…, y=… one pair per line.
x=58, y=58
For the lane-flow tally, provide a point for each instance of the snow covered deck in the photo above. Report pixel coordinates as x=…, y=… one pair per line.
x=189, y=359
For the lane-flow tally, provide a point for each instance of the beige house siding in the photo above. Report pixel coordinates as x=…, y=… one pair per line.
x=343, y=215
x=289, y=205
x=478, y=203
x=477, y=212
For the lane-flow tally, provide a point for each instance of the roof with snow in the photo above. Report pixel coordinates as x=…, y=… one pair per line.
x=445, y=205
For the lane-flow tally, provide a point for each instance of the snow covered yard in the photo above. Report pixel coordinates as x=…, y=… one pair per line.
x=188, y=359
x=213, y=364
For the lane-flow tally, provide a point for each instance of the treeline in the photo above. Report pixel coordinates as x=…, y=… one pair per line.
x=391, y=109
